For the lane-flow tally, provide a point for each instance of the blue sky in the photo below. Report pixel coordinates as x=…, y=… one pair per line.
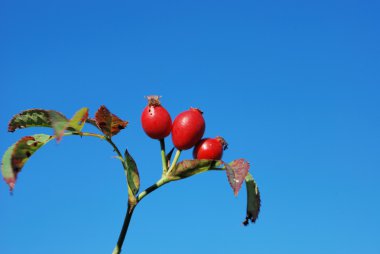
x=292, y=85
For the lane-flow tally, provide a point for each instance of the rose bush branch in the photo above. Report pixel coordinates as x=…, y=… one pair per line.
x=186, y=131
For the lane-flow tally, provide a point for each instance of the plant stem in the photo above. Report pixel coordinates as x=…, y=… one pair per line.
x=176, y=157
x=152, y=188
x=130, y=210
x=124, y=229
x=163, y=157
x=109, y=140
x=87, y=134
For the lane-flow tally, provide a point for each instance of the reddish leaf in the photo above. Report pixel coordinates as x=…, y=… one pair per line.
x=109, y=123
x=236, y=171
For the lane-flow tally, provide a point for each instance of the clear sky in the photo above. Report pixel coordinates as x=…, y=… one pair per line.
x=294, y=87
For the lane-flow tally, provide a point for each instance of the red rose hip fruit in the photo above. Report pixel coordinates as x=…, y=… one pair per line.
x=155, y=119
x=210, y=148
x=188, y=128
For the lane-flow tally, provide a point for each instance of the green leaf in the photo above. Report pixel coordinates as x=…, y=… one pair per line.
x=188, y=168
x=236, y=171
x=133, y=177
x=30, y=118
x=108, y=123
x=6, y=168
x=18, y=154
x=253, y=200
x=60, y=123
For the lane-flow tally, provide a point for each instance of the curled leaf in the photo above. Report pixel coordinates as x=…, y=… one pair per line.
x=30, y=118
x=253, y=200
x=188, y=168
x=236, y=171
x=18, y=154
x=108, y=123
x=133, y=177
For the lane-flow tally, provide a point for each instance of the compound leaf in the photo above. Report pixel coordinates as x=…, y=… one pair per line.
x=253, y=200
x=236, y=171
x=18, y=154
x=133, y=177
x=109, y=123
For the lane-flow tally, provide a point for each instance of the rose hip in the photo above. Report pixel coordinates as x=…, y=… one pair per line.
x=210, y=148
x=188, y=128
x=155, y=119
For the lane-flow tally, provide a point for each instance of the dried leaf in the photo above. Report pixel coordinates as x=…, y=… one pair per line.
x=133, y=177
x=253, y=200
x=236, y=171
x=109, y=123
x=18, y=154
x=188, y=168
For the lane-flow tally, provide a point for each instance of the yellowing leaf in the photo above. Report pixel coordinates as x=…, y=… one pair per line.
x=18, y=154
x=79, y=119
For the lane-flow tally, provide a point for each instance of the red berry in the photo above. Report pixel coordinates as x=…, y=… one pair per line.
x=188, y=128
x=210, y=148
x=155, y=119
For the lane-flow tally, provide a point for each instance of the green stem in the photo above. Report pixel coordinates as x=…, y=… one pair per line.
x=152, y=188
x=130, y=210
x=109, y=140
x=124, y=230
x=163, y=157
x=87, y=134
x=176, y=157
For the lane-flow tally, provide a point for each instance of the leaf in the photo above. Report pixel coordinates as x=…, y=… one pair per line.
x=6, y=168
x=133, y=177
x=79, y=119
x=188, y=168
x=253, y=200
x=236, y=171
x=109, y=123
x=30, y=118
x=60, y=123
x=18, y=154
